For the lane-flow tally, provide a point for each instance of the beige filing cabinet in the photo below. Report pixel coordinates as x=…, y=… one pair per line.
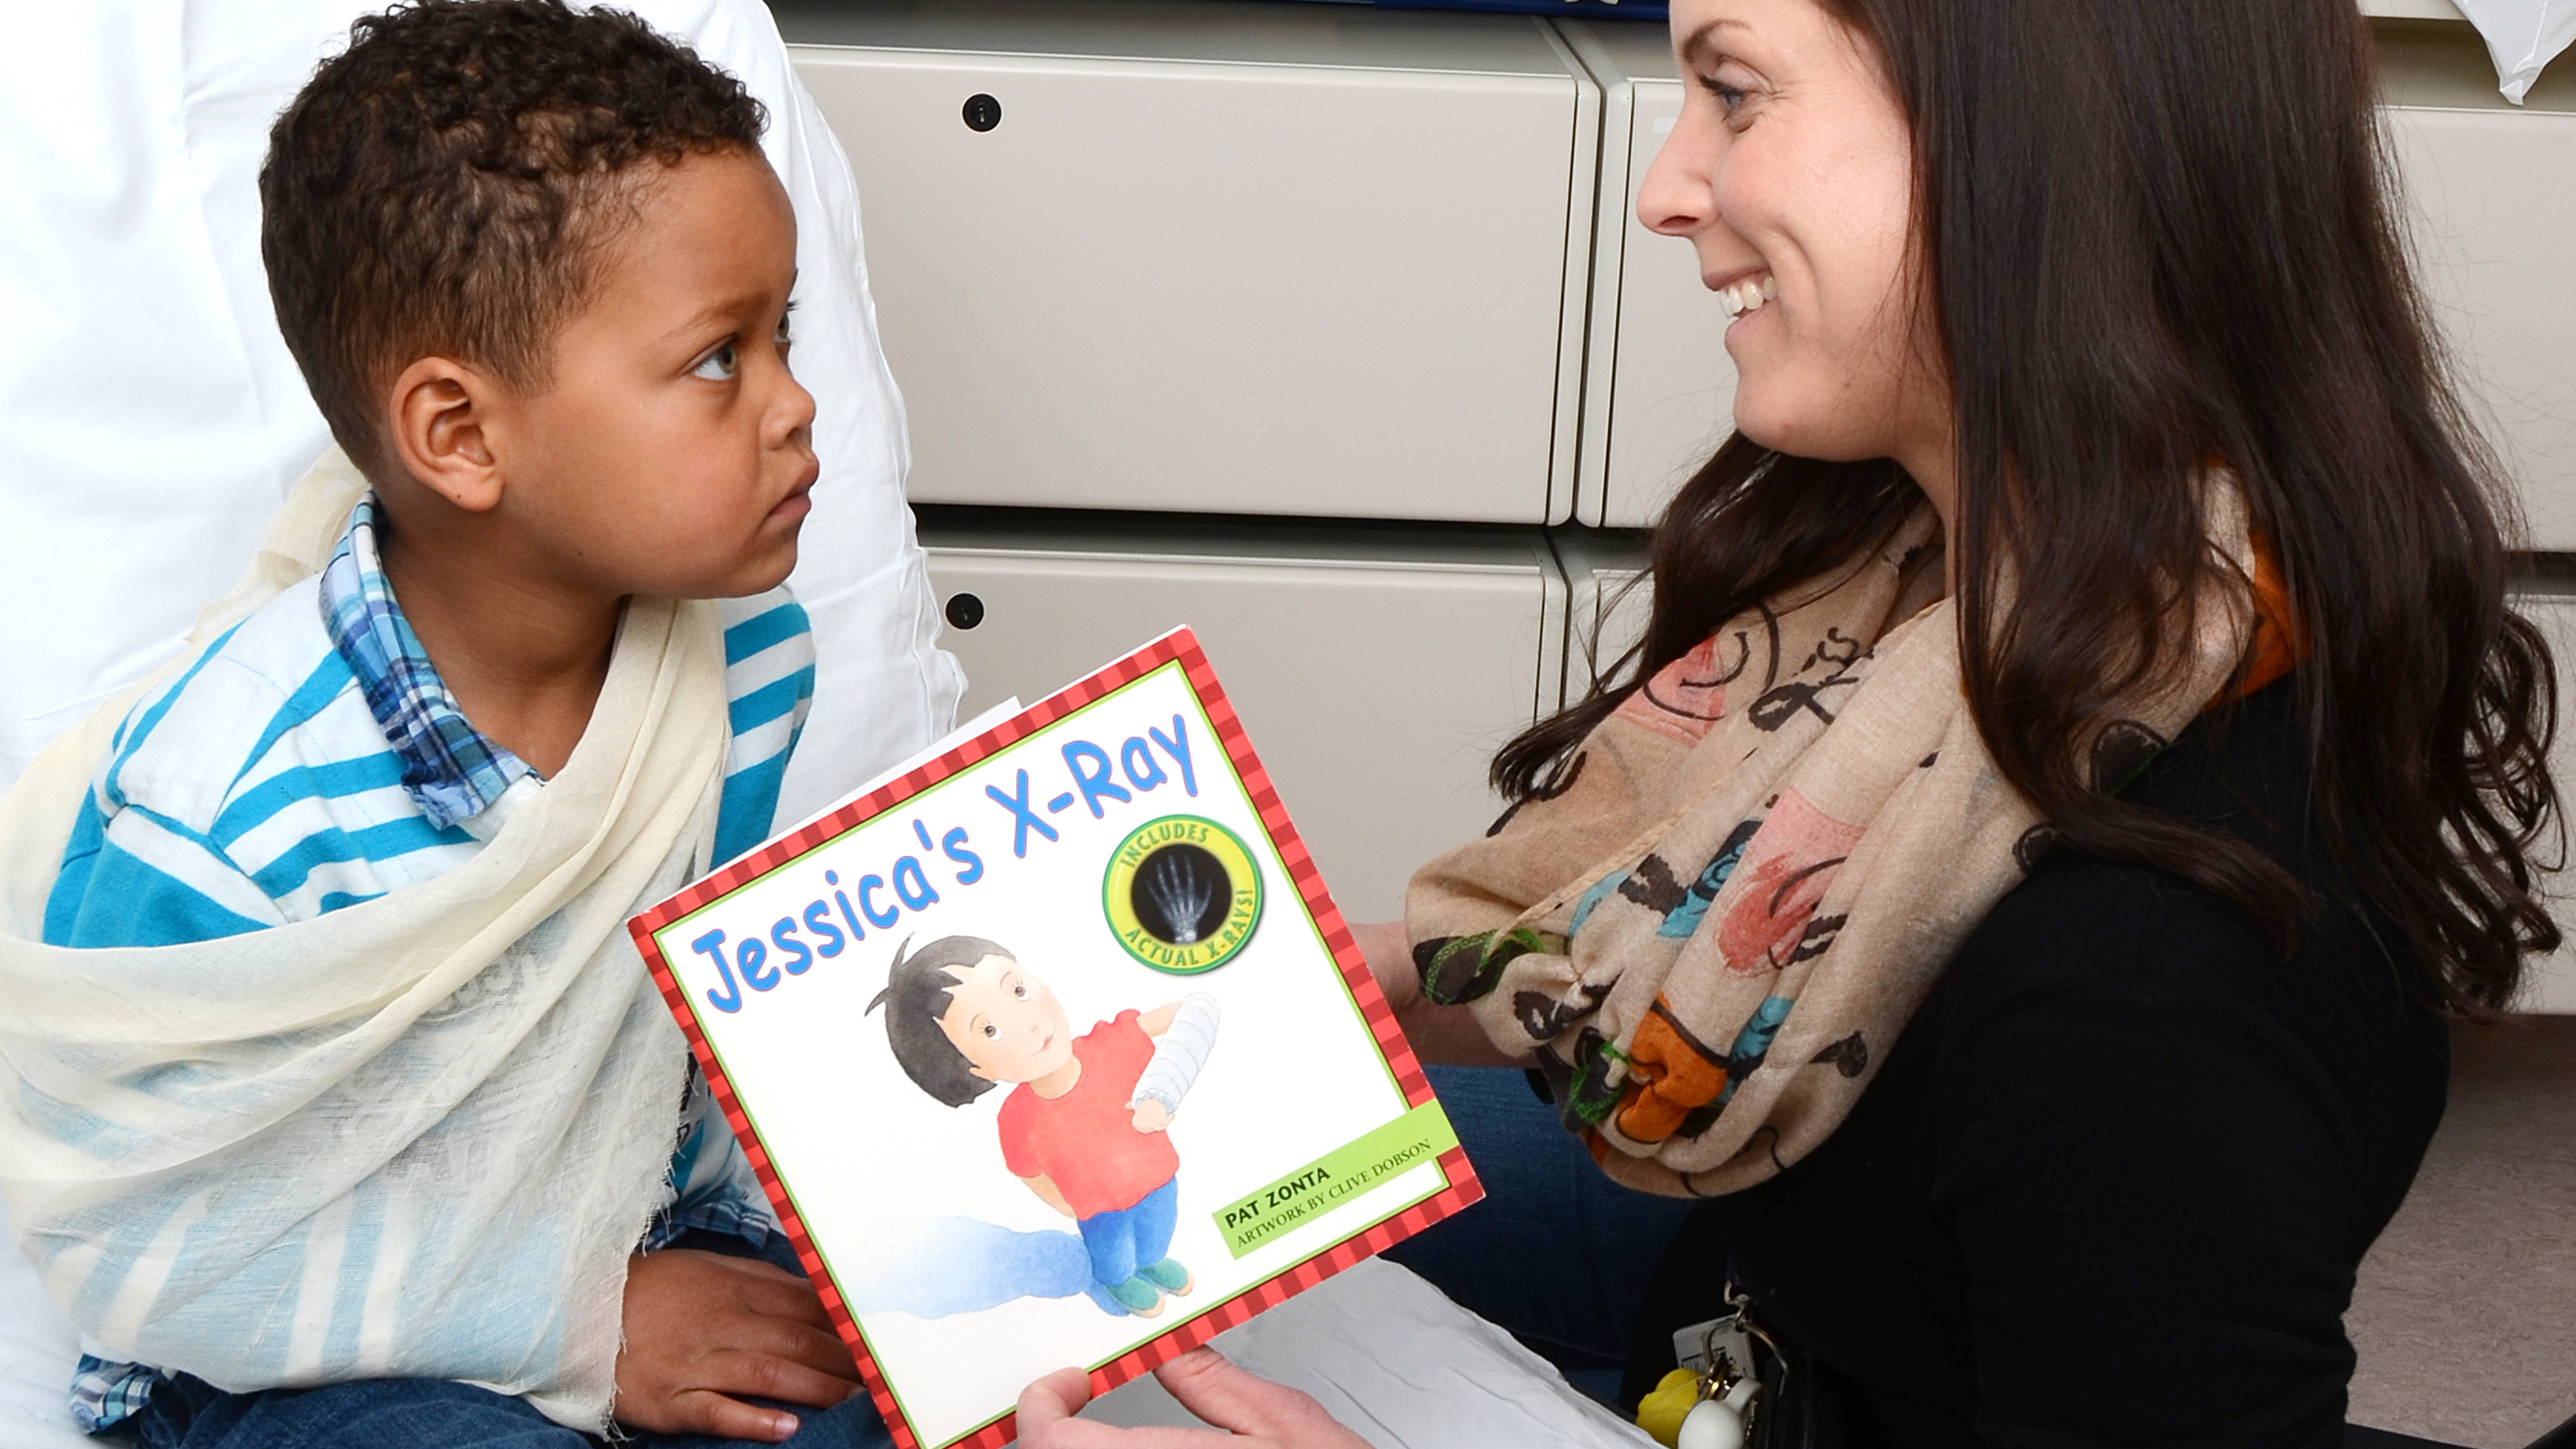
x=2554, y=986
x=1210, y=255
x=2492, y=197
x=2491, y=204
x=1607, y=601
x=1659, y=389
x=1374, y=670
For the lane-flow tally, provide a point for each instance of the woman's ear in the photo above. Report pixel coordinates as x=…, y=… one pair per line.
x=442, y=430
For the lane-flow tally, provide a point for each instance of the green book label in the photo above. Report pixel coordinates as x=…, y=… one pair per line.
x=1337, y=1177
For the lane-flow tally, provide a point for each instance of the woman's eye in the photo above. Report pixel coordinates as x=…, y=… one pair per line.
x=991, y=1031
x=1728, y=96
x=719, y=365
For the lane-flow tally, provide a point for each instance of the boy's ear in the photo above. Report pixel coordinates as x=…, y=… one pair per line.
x=442, y=434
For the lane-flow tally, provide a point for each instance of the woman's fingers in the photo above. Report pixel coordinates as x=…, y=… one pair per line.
x=1057, y=1397
x=1250, y=1405
x=1242, y=1406
x=1047, y=1409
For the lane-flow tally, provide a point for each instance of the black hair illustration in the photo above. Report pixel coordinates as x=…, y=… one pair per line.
x=919, y=984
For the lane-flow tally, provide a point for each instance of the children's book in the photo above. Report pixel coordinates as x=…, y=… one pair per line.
x=1053, y=1050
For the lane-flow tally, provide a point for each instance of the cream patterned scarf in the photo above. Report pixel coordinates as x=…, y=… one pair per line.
x=415, y=1137
x=1717, y=919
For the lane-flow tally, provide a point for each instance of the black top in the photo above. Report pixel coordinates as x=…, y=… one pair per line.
x=2112, y=1183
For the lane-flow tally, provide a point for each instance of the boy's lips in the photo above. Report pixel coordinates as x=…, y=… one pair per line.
x=799, y=500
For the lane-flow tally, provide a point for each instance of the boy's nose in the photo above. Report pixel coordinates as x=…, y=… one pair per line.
x=792, y=420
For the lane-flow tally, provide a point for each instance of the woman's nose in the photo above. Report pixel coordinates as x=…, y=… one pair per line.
x=1676, y=198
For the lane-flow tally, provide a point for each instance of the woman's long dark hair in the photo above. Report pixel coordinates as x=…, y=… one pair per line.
x=2156, y=233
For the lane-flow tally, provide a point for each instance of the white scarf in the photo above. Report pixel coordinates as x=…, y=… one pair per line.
x=416, y=1137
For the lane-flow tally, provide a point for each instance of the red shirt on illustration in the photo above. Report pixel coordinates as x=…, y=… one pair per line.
x=1086, y=1141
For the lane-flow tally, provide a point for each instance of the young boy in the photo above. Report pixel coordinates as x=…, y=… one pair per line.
x=1084, y=1127
x=405, y=1175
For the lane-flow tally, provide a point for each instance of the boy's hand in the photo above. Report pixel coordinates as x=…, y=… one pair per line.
x=1247, y=1410
x=1152, y=1116
x=702, y=1328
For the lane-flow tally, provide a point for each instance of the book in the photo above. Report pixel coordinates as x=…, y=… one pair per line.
x=1052, y=1050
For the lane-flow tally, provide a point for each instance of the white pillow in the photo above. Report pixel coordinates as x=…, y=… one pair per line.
x=151, y=418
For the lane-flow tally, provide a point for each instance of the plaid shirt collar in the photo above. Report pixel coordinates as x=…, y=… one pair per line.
x=450, y=769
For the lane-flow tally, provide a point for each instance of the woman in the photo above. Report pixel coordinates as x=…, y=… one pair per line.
x=2080, y=754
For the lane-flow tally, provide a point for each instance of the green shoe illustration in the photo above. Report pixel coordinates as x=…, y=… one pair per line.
x=1169, y=1276
x=1138, y=1297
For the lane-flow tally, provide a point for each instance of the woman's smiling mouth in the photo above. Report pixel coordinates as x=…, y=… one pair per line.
x=1748, y=294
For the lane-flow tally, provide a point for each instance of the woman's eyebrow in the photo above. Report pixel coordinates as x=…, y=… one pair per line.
x=1698, y=45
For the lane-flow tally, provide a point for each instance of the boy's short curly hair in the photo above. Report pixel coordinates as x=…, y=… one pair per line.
x=916, y=996
x=448, y=184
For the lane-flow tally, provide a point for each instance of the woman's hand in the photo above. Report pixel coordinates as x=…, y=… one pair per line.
x=1245, y=1408
x=1390, y=960
x=702, y=1328
x=1442, y=1036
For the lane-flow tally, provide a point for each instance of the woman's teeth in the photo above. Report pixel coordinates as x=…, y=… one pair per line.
x=1749, y=294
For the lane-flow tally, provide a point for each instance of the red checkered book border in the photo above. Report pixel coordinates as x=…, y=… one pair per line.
x=1181, y=646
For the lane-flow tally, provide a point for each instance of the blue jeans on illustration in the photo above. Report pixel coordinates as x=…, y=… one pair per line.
x=1123, y=1240
x=189, y=1413
x=1557, y=1253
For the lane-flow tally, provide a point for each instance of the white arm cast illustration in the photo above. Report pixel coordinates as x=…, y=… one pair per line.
x=1179, y=1053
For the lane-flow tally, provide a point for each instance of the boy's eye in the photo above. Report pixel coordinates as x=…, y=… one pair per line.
x=719, y=365
x=1020, y=989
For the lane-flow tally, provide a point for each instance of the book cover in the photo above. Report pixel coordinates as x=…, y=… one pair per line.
x=1054, y=1050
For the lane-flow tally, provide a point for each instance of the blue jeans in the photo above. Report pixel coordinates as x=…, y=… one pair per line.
x=1123, y=1240
x=189, y=1413
x=1557, y=1253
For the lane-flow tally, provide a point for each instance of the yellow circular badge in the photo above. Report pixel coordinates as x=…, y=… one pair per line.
x=1182, y=894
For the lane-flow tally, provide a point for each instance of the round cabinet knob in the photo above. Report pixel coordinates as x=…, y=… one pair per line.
x=964, y=611
x=983, y=113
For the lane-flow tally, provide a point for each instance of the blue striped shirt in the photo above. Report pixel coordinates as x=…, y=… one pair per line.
x=312, y=759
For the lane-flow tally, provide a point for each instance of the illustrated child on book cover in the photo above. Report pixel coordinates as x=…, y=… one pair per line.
x=1084, y=1124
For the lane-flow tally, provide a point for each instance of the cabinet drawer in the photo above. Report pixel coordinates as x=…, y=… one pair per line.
x=2491, y=197
x=1375, y=681
x=2490, y=200
x=1659, y=389
x=2550, y=985
x=1270, y=259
